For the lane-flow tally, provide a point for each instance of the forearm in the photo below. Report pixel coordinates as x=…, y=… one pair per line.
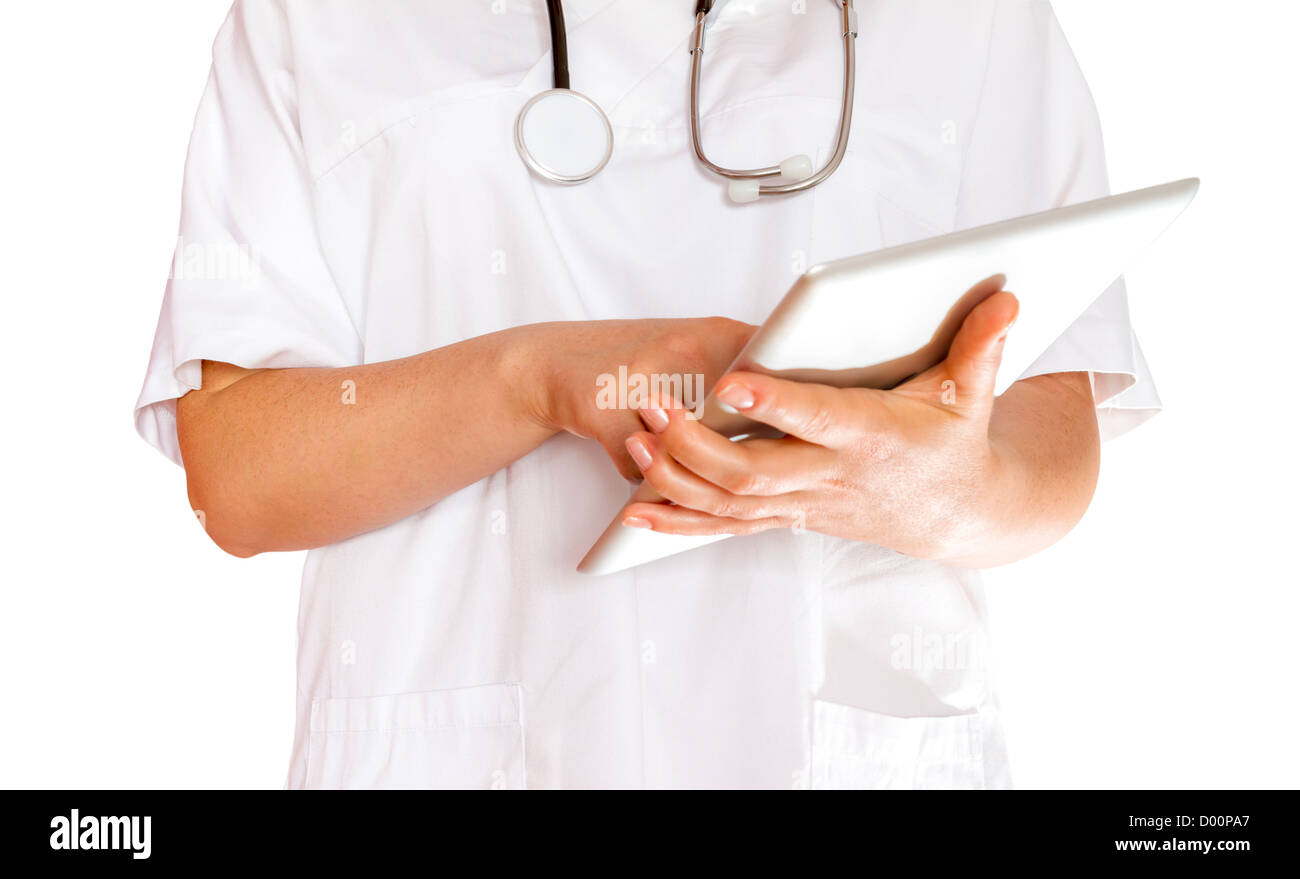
x=285, y=459
x=1046, y=456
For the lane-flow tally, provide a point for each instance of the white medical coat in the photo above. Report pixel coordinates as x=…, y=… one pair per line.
x=360, y=157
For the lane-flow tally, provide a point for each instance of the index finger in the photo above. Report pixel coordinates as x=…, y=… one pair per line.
x=819, y=414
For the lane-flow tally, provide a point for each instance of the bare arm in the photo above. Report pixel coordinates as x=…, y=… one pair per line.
x=284, y=459
x=1044, y=431
x=290, y=458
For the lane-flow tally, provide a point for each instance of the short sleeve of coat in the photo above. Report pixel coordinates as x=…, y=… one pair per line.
x=1036, y=144
x=249, y=283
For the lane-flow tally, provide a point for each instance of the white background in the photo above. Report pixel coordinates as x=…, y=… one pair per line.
x=1153, y=647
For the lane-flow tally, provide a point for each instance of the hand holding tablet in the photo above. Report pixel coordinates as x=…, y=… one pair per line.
x=876, y=319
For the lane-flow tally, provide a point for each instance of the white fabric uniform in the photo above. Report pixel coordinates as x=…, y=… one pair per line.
x=364, y=153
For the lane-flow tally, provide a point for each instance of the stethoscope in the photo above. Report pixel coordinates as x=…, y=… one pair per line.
x=563, y=136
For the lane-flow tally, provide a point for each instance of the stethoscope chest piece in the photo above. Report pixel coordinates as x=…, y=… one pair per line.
x=563, y=136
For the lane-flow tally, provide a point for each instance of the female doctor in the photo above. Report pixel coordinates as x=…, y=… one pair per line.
x=406, y=386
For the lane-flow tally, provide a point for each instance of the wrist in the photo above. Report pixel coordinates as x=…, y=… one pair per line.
x=975, y=538
x=527, y=373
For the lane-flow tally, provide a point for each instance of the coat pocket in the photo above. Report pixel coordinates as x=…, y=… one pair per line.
x=471, y=737
x=857, y=749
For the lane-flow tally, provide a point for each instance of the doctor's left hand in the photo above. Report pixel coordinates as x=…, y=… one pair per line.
x=924, y=469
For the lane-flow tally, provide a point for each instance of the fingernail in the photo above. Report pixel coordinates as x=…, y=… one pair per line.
x=640, y=452
x=656, y=418
x=636, y=522
x=736, y=396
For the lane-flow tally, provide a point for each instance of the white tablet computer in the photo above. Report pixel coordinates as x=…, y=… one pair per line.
x=876, y=319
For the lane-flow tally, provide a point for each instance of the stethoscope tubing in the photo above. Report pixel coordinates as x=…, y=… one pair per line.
x=559, y=45
x=560, y=80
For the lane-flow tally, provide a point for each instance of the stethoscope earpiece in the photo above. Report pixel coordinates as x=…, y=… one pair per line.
x=743, y=190
x=796, y=168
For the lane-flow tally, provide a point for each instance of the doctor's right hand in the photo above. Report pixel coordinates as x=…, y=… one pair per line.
x=571, y=362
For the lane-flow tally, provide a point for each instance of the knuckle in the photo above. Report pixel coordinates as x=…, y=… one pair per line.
x=682, y=345
x=751, y=510
x=735, y=526
x=818, y=422
x=640, y=361
x=719, y=324
x=667, y=488
x=838, y=482
x=723, y=508
x=677, y=442
x=742, y=482
x=874, y=448
x=726, y=328
x=732, y=508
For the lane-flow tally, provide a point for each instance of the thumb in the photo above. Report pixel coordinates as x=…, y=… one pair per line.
x=976, y=350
